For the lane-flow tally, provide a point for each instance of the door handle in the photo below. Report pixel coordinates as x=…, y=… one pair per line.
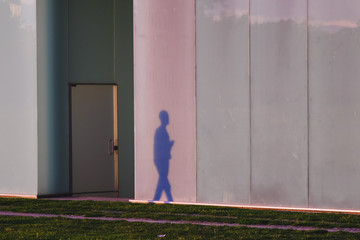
x=111, y=147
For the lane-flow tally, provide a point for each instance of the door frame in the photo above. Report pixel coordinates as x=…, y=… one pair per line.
x=116, y=137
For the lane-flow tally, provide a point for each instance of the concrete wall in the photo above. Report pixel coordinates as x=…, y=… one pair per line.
x=223, y=114
x=276, y=100
x=303, y=103
x=334, y=58
x=252, y=126
x=165, y=80
x=18, y=98
x=278, y=103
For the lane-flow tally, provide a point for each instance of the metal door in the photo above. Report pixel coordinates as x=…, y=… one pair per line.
x=94, y=139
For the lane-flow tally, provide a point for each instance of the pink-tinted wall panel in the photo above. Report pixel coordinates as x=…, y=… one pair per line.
x=164, y=39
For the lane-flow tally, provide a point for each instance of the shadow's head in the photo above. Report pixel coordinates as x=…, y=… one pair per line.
x=164, y=117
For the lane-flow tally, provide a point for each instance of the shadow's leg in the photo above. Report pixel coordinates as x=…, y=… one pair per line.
x=167, y=188
x=159, y=189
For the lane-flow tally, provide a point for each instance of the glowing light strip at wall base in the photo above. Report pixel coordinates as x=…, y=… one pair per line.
x=17, y=196
x=255, y=207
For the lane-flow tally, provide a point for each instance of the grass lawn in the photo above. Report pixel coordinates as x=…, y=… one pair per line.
x=61, y=228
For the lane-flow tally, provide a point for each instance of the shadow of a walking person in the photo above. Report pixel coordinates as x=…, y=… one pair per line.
x=162, y=156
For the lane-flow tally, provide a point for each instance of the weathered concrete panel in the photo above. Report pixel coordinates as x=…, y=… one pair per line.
x=334, y=59
x=278, y=102
x=165, y=80
x=222, y=83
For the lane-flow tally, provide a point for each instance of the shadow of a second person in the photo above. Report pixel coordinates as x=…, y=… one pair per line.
x=162, y=156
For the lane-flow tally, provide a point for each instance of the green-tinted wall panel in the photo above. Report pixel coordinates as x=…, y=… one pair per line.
x=91, y=41
x=124, y=78
x=53, y=115
x=101, y=52
x=82, y=42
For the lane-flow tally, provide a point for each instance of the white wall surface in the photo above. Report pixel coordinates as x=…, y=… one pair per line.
x=300, y=148
x=165, y=80
x=18, y=98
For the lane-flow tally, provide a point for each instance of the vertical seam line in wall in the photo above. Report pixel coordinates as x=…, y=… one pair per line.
x=70, y=140
x=134, y=92
x=308, y=103
x=68, y=40
x=37, y=96
x=69, y=97
x=250, y=112
x=115, y=111
x=195, y=109
x=114, y=42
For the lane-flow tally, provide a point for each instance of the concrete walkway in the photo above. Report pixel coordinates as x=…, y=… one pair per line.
x=145, y=220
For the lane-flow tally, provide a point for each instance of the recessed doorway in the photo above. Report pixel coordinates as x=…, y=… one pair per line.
x=94, y=140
